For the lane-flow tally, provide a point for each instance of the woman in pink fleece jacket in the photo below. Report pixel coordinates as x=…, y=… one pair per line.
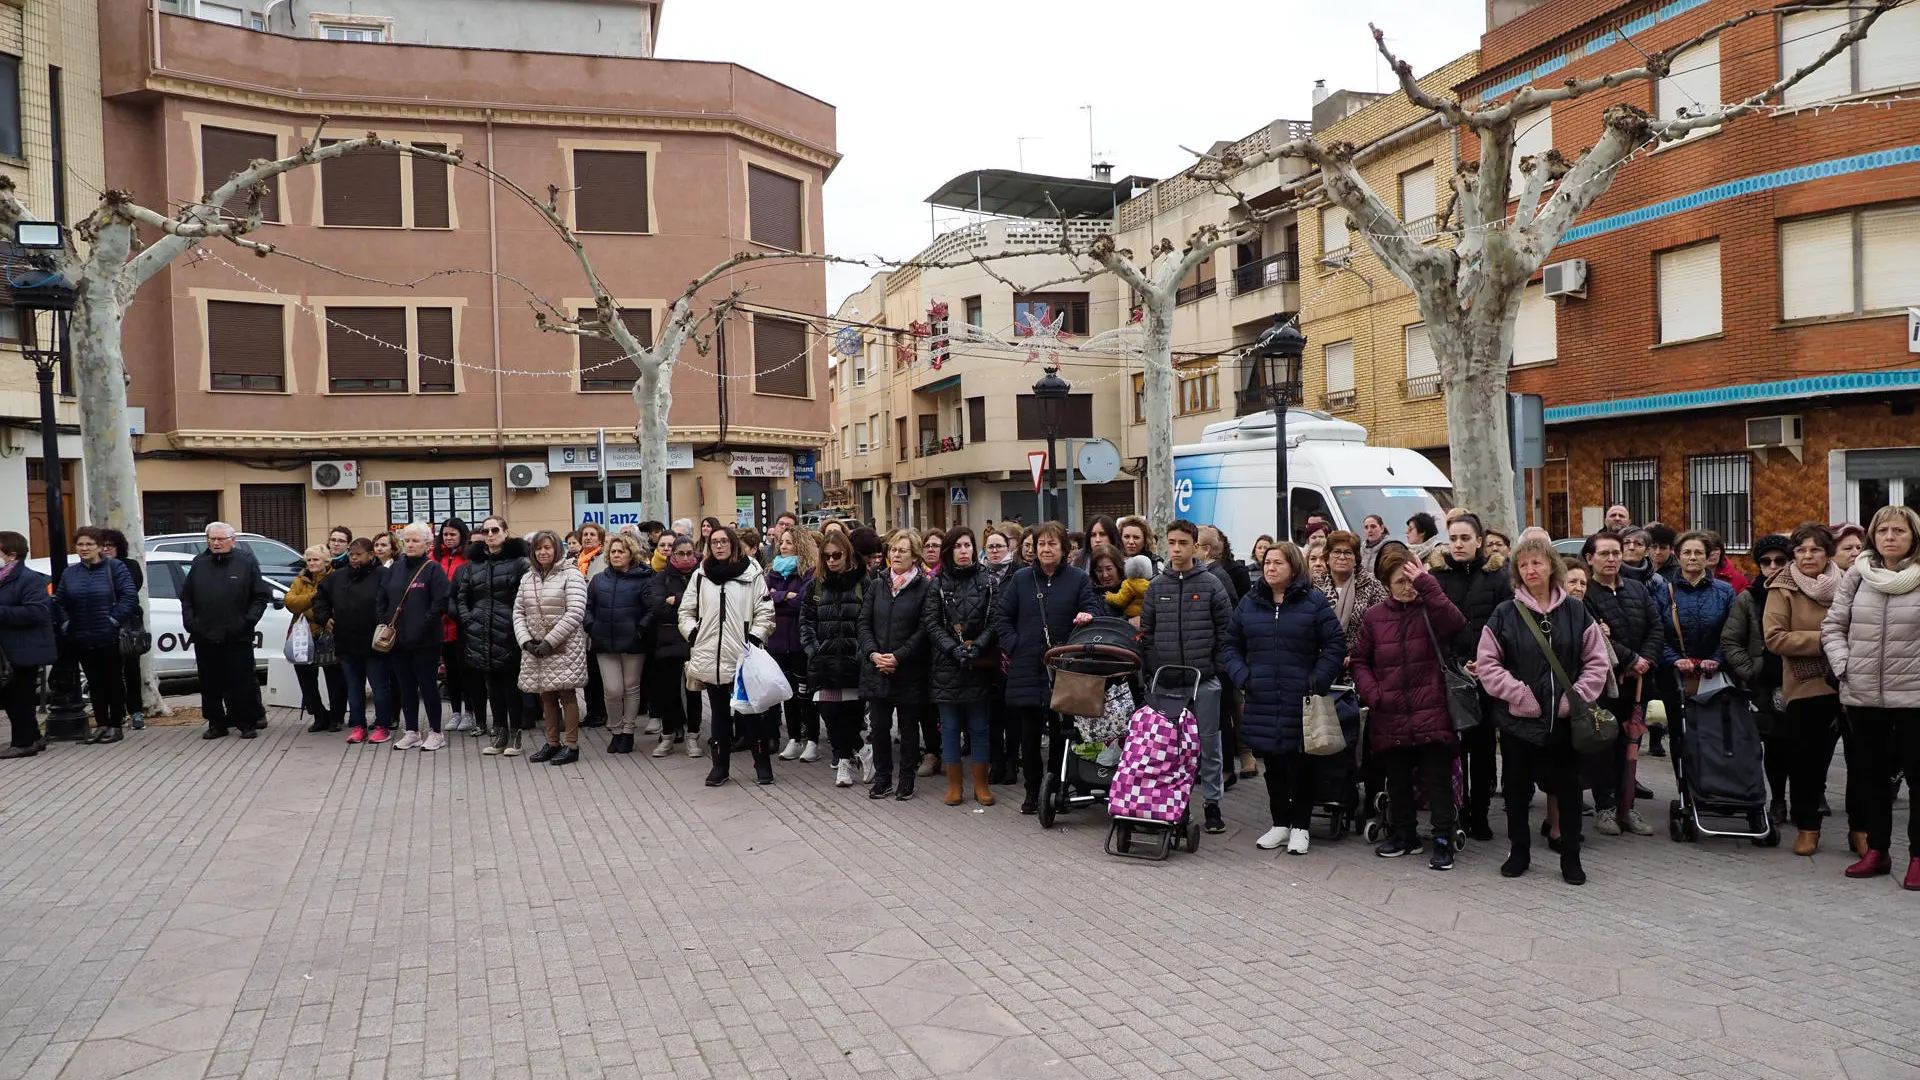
x=1529, y=703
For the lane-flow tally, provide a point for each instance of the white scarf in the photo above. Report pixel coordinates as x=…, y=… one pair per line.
x=1819, y=589
x=1891, y=582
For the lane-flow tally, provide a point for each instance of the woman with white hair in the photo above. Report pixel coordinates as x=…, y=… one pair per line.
x=413, y=599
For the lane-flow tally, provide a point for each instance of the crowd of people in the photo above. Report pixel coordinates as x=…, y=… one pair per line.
x=915, y=655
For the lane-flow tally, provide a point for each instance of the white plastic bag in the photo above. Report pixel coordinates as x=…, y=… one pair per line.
x=299, y=646
x=759, y=684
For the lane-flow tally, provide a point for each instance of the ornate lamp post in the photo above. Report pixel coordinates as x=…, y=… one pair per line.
x=1278, y=351
x=1052, y=392
x=39, y=289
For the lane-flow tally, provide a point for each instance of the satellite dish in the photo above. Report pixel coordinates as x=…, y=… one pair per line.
x=1099, y=461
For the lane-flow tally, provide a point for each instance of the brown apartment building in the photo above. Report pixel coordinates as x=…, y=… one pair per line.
x=444, y=398
x=1740, y=355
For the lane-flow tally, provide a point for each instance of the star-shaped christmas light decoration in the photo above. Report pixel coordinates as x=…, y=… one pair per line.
x=1043, y=335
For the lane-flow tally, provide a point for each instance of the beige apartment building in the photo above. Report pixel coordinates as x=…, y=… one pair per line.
x=287, y=399
x=1228, y=300
x=51, y=148
x=933, y=406
x=1368, y=359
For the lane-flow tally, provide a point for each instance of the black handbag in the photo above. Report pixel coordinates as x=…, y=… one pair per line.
x=1594, y=729
x=1463, y=690
x=134, y=638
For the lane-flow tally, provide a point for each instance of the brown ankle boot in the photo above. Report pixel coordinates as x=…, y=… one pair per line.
x=1858, y=842
x=953, y=785
x=982, y=794
x=1807, y=842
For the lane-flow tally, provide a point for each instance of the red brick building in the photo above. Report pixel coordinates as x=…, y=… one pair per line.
x=1741, y=359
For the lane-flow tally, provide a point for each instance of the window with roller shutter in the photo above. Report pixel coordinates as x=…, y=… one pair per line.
x=610, y=191
x=225, y=152
x=780, y=358
x=606, y=366
x=246, y=346
x=366, y=350
x=432, y=201
x=362, y=188
x=438, y=353
x=777, y=210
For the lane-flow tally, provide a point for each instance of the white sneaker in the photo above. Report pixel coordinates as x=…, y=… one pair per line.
x=665, y=747
x=791, y=750
x=694, y=749
x=843, y=773
x=408, y=741
x=649, y=726
x=810, y=752
x=1273, y=838
x=434, y=741
x=1297, y=843
x=866, y=764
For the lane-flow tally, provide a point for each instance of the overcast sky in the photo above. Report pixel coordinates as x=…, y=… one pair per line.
x=926, y=91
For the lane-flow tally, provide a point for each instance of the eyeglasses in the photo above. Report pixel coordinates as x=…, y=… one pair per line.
x=1340, y=553
x=1773, y=560
x=834, y=556
x=493, y=530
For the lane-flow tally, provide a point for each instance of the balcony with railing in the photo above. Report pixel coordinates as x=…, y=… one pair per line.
x=1421, y=386
x=1187, y=294
x=1339, y=400
x=1272, y=270
x=929, y=447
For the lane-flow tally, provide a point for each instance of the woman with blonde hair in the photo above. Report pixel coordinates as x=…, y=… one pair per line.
x=327, y=714
x=616, y=624
x=548, y=613
x=788, y=577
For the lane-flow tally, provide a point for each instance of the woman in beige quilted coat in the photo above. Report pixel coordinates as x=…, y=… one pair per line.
x=548, y=613
x=1872, y=639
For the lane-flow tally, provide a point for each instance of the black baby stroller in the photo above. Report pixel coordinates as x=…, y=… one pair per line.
x=1107, y=649
x=1336, y=777
x=1720, y=771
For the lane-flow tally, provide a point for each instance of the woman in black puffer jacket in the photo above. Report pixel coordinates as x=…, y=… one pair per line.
x=674, y=705
x=829, y=633
x=618, y=626
x=965, y=676
x=483, y=594
x=1476, y=582
x=893, y=662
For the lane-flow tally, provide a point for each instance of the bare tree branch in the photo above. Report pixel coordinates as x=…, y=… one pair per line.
x=1674, y=129
x=1446, y=107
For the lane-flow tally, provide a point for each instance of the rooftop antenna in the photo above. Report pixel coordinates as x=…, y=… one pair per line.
x=1093, y=156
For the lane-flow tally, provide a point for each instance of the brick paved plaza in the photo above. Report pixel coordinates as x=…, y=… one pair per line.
x=295, y=907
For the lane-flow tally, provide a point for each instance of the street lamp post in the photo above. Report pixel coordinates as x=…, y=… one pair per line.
x=1052, y=391
x=38, y=288
x=1278, y=351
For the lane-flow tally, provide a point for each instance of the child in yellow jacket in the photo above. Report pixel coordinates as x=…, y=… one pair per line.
x=1132, y=593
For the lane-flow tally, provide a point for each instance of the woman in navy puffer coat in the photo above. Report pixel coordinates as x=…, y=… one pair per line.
x=789, y=574
x=1402, y=680
x=1278, y=652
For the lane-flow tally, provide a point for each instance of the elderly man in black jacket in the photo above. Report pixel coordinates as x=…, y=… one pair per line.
x=221, y=603
x=1184, y=621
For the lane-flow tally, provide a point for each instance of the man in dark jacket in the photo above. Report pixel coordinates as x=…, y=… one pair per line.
x=221, y=603
x=1184, y=621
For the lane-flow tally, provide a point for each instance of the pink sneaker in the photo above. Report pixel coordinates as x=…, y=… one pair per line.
x=408, y=740
x=357, y=735
x=434, y=741
x=379, y=735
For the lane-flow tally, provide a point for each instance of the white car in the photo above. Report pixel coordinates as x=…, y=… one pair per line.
x=172, y=646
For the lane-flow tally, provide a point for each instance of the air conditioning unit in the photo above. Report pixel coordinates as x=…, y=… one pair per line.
x=527, y=475
x=373, y=489
x=1774, y=433
x=1568, y=279
x=336, y=475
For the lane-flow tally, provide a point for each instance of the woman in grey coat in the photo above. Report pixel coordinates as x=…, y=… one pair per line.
x=1871, y=636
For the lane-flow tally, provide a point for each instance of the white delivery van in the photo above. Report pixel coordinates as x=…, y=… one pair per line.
x=1226, y=480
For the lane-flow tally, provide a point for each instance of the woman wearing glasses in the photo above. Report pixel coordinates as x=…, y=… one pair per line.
x=483, y=596
x=1349, y=586
x=829, y=633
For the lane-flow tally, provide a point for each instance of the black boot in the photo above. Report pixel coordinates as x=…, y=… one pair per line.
x=1656, y=742
x=1570, y=871
x=717, y=775
x=1517, y=862
x=904, y=792
x=762, y=764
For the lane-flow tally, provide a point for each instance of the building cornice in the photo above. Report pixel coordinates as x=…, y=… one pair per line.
x=466, y=439
x=345, y=107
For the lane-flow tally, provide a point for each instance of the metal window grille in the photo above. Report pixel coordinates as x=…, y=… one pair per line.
x=1635, y=484
x=1718, y=498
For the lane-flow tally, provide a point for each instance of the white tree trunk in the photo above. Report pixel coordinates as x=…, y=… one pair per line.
x=1475, y=377
x=1158, y=391
x=113, y=489
x=653, y=398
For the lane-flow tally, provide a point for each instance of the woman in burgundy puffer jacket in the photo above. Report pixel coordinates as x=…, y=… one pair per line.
x=1399, y=674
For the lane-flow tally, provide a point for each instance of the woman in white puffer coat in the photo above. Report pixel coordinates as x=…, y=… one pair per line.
x=1872, y=640
x=727, y=603
x=548, y=613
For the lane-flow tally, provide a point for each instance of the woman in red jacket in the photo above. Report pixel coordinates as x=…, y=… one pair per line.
x=1399, y=672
